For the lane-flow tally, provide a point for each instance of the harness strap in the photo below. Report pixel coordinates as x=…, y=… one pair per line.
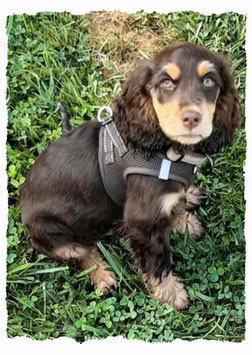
x=108, y=148
x=116, y=138
x=189, y=157
x=186, y=181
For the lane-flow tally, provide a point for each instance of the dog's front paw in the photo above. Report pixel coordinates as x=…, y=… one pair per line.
x=188, y=221
x=194, y=196
x=194, y=226
x=170, y=291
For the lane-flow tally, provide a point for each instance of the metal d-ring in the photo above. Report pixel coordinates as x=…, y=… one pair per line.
x=179, y=152
x=106, y=119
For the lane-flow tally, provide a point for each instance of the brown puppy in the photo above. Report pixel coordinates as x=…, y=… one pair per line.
x=186, y=98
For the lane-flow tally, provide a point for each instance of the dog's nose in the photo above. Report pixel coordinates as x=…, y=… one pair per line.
x=191, y=119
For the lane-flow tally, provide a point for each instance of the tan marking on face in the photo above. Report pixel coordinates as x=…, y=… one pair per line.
x=173, y=71
x=169, y=116
x=205, y=67
x=170, y=291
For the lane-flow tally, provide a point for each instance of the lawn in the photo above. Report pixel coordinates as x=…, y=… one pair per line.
x=83, y=61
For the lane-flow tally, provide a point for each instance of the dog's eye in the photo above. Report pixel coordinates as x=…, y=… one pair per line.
x=168, y=84
x=208, y=82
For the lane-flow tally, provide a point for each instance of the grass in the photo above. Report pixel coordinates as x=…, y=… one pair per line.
x=83, y=61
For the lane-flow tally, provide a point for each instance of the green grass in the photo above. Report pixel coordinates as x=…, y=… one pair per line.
x=50, y=58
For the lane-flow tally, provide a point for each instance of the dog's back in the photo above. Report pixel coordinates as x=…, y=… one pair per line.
x=63, y=197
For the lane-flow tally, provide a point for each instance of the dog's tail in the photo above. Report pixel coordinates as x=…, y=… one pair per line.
x=64, y=116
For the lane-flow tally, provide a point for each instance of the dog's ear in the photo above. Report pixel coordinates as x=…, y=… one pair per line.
x=227, y=117
x=137, y=117
x=136, y=85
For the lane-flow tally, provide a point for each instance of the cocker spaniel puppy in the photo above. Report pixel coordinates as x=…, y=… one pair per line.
x=183, y=99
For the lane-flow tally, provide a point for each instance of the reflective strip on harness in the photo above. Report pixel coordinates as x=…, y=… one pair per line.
x=165, y=169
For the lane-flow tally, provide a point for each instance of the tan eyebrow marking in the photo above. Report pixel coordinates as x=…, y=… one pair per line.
x=172, y=70
x=205, y=67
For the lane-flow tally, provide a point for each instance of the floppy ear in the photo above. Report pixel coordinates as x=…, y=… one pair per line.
x=137, y=97
x=135, y=114
x=227, y=117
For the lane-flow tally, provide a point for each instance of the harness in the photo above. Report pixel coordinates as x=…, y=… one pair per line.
x=117, y=161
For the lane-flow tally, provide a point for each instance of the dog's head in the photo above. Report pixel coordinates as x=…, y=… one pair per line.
x=185, y=96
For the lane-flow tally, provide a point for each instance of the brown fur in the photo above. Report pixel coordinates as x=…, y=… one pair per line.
x=134, y=110
x=63, y=201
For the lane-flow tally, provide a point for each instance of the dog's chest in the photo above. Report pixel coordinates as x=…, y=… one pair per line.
x=117, y=161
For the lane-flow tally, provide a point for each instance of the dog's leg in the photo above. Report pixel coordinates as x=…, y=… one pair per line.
x=87, y=257
x=153, y=257
x=148, y=226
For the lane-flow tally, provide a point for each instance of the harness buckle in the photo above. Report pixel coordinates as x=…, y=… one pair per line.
x=181, y=153
x=108, y=118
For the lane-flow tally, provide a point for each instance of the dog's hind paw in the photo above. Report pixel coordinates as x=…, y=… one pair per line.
x=104, y=280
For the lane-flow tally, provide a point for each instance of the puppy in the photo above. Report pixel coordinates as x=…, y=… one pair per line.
x=185, y=99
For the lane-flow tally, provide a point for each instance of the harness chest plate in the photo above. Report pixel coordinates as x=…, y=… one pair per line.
x=116, y=162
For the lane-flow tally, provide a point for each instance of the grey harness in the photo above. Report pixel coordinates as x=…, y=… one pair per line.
x=117, y=161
